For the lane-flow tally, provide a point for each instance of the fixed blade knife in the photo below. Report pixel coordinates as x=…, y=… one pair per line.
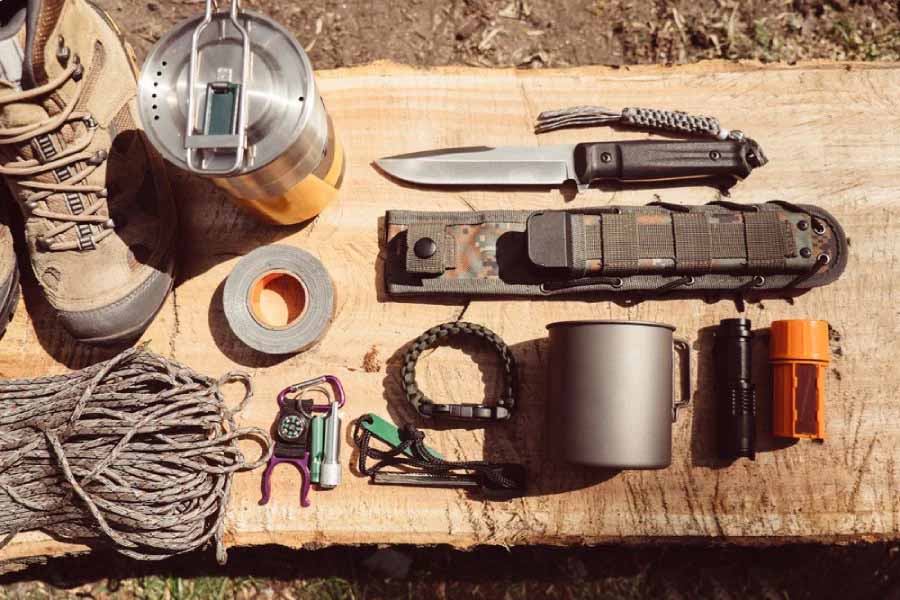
x=638, y=160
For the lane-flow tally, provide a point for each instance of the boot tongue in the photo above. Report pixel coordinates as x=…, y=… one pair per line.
x=16, y=113
x=23, y=37
x=12, y=57
x=41, y=18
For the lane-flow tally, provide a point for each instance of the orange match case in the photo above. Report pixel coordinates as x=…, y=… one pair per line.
x=799, y=354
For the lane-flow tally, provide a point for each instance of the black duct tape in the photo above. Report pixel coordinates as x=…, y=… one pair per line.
x=303, y=291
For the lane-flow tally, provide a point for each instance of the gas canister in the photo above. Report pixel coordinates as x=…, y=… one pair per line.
x=231, y=95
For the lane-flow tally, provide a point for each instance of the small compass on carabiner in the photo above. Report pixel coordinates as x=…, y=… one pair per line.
x=292, y=427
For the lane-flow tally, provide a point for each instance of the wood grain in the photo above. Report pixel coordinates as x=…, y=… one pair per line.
x=830, y=131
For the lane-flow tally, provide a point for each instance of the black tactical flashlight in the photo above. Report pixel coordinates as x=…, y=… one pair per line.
x=735, y=391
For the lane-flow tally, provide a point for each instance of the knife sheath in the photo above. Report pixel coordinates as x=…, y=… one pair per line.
x=654, y=249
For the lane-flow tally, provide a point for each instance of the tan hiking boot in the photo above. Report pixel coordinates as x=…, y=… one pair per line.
x=9, y=272
x=99, y=218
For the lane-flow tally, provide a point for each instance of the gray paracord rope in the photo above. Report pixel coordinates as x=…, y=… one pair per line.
x=642, y=118
x=138, y=452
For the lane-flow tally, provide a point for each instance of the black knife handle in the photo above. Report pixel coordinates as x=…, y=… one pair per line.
x=662, y=159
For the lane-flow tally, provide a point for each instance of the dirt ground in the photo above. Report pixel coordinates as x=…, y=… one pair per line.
x=556, y=33
x=527, y=34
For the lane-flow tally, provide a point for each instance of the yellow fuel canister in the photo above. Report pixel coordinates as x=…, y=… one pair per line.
x=799, y=355
x=231, y=95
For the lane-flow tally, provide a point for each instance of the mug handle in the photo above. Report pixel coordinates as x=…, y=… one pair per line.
x=683, y=348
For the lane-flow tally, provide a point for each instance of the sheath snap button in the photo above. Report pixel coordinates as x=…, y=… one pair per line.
x=425, y=248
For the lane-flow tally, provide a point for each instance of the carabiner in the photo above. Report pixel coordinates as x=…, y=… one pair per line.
x=336, y=388
x=292, y=432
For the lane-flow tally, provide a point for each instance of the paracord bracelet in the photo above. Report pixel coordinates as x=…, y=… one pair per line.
x=466, y=411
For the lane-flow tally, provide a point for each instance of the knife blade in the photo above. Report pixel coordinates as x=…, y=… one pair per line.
x=637, y=160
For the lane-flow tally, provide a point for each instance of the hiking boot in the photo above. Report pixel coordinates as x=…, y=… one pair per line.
x=98, y=212
x=9, y=272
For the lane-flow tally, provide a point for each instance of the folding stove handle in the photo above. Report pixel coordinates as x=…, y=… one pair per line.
x=213, y=137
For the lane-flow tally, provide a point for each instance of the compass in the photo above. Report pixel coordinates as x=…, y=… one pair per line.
x=292, y=427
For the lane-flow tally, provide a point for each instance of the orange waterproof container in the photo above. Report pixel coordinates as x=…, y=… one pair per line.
x=799, y=355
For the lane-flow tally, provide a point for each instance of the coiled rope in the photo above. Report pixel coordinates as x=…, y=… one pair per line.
x=137, y=452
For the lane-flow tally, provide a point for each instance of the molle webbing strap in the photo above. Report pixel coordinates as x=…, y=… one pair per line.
x=728, y=240
x=593, y=242
x=620, y=243
x=767, y=241
x=690, y=241
x=657, y=241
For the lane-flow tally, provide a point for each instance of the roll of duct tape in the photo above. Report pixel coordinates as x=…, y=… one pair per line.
x=279, y=300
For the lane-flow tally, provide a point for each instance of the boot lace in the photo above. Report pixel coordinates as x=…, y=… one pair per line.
x=25, y=171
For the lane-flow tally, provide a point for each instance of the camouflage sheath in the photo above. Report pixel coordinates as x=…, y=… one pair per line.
x=723, y=247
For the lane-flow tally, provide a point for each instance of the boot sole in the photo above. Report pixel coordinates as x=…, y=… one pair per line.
x=132, y=335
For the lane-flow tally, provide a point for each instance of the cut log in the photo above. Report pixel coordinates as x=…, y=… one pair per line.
x=830, y=132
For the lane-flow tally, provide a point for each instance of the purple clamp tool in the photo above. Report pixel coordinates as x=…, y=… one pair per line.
x=292, y=431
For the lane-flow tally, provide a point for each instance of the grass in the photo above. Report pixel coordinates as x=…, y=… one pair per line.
x=626, y=572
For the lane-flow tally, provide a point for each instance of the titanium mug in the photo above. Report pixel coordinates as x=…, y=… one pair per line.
x=611, y=390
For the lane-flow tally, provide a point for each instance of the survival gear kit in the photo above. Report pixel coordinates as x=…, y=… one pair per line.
x=267, y=139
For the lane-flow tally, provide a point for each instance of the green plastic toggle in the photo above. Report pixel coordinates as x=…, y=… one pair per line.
x=387, y=433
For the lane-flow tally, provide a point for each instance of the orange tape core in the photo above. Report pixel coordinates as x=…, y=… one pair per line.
x=278, y=299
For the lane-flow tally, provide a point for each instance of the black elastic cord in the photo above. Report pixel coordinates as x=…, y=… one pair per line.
x=735, y=206
x=821, y=261
x=679, y=208
x=674, y=284
x=616, y=282
x=613, y=282
x=755, y=282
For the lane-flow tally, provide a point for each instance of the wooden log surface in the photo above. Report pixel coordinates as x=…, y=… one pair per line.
x=830, y=131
